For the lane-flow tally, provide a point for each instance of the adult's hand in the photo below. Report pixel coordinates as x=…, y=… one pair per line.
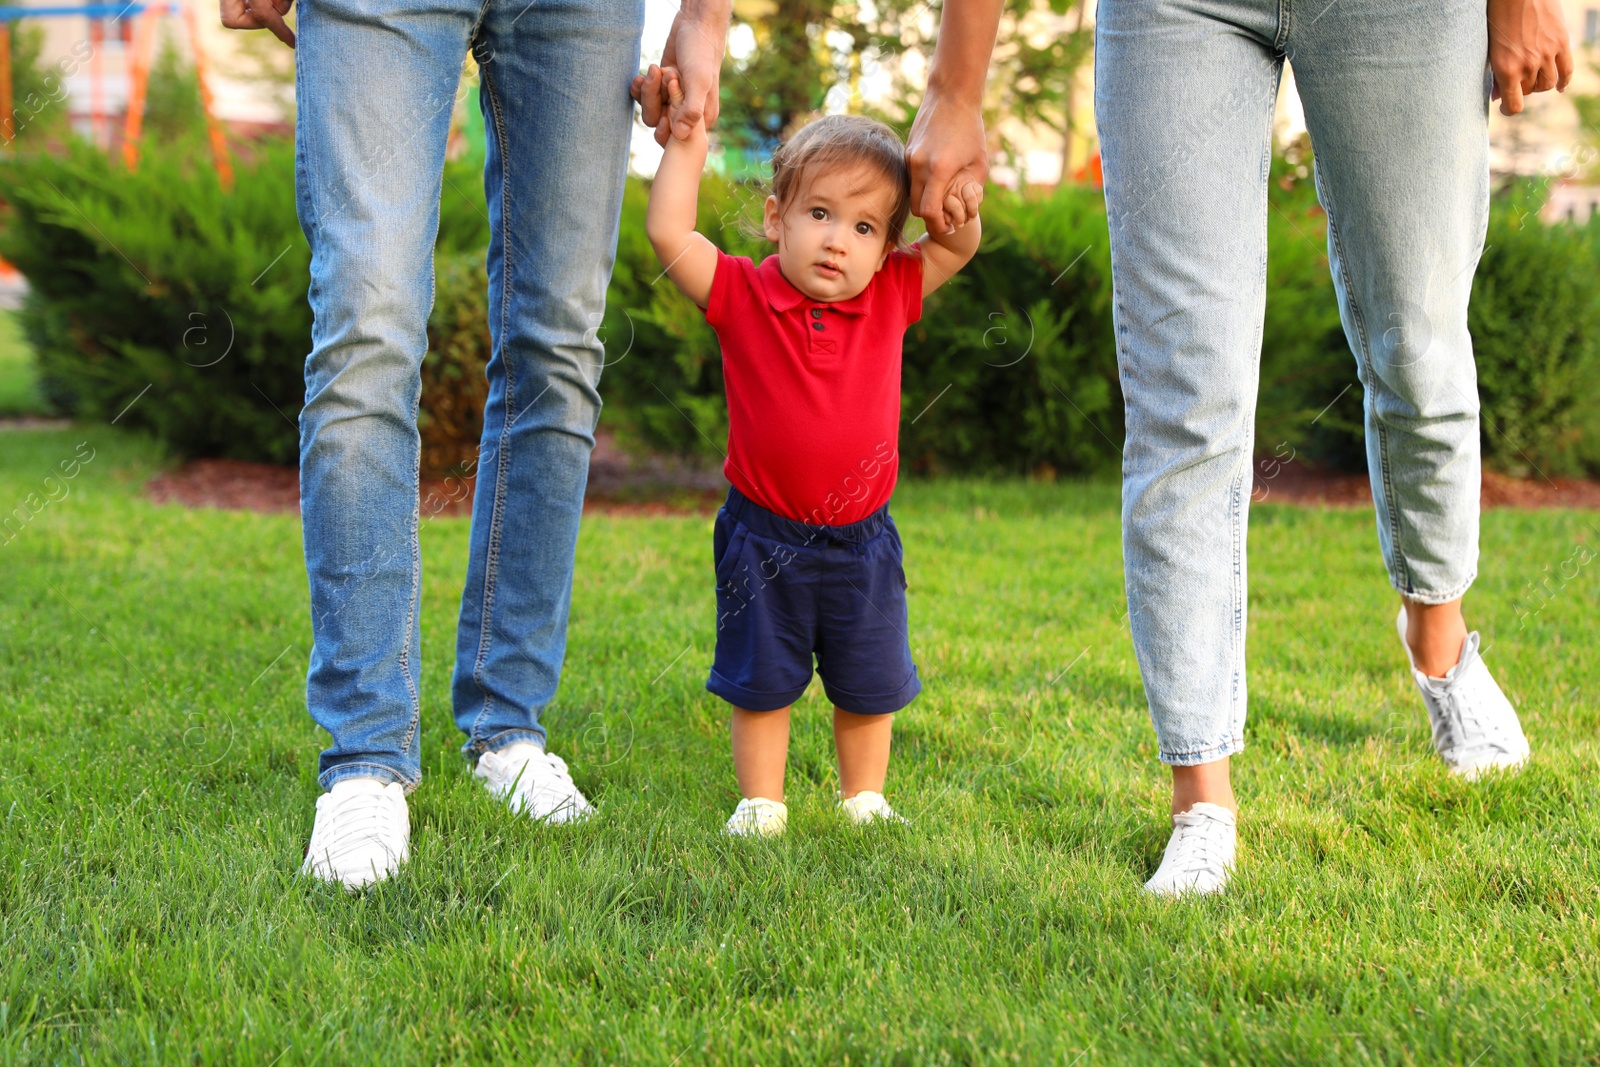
x=694, y=46
x=1528, y=50
x=947, y=154
x=949, y=160
x=259, y=15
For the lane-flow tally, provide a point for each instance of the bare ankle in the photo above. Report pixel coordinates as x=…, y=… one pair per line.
x=1204, y=783
x=1435, y=634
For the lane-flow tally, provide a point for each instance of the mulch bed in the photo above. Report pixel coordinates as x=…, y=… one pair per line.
x=1295, y=483
x=619, y=484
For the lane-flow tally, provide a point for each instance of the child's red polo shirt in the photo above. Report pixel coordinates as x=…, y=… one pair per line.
x=813, y=388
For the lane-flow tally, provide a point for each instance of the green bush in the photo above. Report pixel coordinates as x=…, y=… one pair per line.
x=161, y=302
x=1535, y=323
x=1309, y=404
x=1535, y=319
x=159, y=287
x=454, y=386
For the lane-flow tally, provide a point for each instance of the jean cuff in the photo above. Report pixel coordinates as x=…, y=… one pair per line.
x=1204, y=755
x=1435, y=598
x=381, y=771
x=505, y=739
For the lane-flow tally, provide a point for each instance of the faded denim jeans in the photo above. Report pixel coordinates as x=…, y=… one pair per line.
x=375, y=83
x=1396, y=100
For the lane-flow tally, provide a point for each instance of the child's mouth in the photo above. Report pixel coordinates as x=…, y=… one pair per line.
x=828, y=270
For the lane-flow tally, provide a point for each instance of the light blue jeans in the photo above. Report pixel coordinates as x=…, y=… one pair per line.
x=375, y=83
x=1396, y=99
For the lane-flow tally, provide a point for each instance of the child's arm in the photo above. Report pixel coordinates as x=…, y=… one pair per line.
x=690, y=260
x=945, y=253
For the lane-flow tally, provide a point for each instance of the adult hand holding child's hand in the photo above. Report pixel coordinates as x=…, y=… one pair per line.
x=694, y=49
x=949, y=160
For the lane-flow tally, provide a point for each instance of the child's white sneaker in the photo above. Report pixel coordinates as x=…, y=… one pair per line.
x=1475, y=728
x=866, y=808
x=532, y=782
x=758, y=817
x=361, y=834
x=1200, y=854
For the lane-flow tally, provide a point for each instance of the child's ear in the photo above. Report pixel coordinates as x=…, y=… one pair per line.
x=772, y=218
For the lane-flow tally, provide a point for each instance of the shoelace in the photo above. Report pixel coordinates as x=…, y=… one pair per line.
x=1468, y=729
x=1192, y=846
x=357, y=820
x=1460, y=726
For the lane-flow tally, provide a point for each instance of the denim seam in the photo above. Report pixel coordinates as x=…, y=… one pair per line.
x=411, y=613
x=1240, y=500
x=497, y=513
x=304, y=159
x=1399, y=573
x=1240, y=516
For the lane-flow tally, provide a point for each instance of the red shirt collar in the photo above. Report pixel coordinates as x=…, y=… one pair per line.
x=783, y=296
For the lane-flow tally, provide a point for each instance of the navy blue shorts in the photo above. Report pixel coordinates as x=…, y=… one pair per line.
x=788, y=591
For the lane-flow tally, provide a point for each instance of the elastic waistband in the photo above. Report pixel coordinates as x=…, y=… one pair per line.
x=794, y=532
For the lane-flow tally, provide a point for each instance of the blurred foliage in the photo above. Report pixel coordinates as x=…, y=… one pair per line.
x=172, y=107
x=805, y=55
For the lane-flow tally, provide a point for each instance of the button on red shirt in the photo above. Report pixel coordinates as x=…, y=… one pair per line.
x=813, y=388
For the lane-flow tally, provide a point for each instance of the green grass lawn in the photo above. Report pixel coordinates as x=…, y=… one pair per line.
x=157, y=779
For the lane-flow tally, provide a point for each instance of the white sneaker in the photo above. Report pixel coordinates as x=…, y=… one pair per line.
x=866, y=808
x=1475, y=728
x=758, y=817
x=1200, y=854
x=362, y=833
x=532, y=782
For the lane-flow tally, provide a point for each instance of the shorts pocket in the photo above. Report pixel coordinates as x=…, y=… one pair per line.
x=897, y=552
x=727, y=545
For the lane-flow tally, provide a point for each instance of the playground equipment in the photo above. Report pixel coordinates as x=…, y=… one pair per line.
x=141, y=49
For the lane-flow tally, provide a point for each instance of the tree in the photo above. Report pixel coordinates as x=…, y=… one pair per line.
x=796, y=53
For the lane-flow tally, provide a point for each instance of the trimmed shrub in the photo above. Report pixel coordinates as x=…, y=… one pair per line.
x=1309, y=403
x=1535, y=319
x=454, y=386
x=161, y=302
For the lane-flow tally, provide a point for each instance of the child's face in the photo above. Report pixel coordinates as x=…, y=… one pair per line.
x=834, y=234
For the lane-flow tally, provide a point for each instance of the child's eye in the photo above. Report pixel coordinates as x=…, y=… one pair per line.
x=820, y=214
x=864, y=229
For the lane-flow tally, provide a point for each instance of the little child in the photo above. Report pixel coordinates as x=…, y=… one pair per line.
x=808, y=561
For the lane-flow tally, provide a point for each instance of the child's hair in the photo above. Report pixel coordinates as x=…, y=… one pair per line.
x=844, y=141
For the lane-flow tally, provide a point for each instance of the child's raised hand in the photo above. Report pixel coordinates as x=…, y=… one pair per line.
x=672, y=86
x=659, y=90
x=650, y=90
